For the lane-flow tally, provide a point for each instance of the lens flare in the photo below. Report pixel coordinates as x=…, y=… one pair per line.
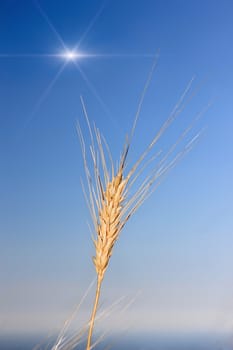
x=70, y=55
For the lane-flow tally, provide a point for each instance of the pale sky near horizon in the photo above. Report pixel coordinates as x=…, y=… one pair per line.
x=176, y=252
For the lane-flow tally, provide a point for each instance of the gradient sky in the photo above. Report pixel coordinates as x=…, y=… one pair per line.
x=177, y=250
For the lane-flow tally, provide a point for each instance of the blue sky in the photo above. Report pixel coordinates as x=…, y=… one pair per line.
x=178, y=248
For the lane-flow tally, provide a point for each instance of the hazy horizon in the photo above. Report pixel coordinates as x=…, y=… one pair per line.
x=164, y=341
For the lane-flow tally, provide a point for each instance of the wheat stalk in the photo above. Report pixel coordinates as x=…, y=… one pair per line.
x=109, y=199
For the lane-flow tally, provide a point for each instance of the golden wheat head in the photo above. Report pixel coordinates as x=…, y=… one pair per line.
x=109, y=196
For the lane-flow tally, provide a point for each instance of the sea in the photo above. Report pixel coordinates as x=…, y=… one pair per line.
x=136, y=342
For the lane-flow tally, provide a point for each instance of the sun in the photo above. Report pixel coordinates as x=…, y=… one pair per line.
x=71, y=55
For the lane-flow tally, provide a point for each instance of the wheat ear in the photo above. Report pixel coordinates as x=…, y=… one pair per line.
x=108, y=229
x=109, y=199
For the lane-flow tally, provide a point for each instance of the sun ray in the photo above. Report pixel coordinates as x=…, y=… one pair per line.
x=72, y=55
x=45, y=16
x=121, y=55
x=27, y=55
x=96, y=94
x=90, y=26
x=44, y=95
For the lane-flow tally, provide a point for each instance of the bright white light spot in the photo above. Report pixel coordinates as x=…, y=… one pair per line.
x=71, y=55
